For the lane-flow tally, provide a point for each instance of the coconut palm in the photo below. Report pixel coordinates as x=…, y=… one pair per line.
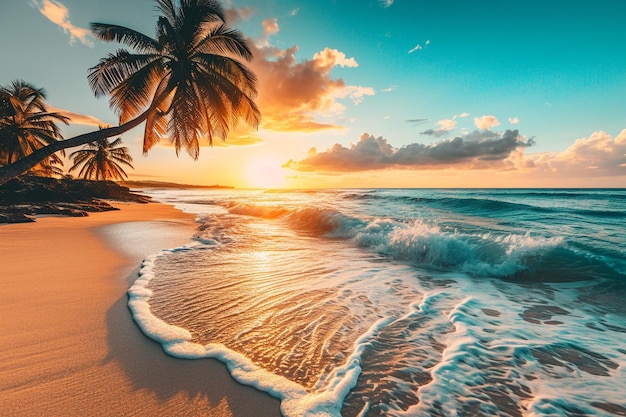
x=26, y=125
x=102, y=160
x=186, y=83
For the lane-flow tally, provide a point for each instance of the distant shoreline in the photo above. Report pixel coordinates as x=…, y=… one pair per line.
x=164, y=184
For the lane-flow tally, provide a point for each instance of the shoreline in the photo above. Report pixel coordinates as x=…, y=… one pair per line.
x=69, y=345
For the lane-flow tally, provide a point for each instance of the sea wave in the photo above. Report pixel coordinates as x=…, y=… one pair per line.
x=426, y=244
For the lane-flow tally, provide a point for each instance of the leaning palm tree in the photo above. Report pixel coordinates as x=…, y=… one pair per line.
x=102, y=160
x=26, y=126
x=187, y=83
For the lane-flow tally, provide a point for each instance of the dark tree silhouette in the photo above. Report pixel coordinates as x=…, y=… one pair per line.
x=26, y=125
x=102, y=160
x=186, y=83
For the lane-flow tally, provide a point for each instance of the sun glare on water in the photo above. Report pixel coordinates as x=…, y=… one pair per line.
x=264, y=172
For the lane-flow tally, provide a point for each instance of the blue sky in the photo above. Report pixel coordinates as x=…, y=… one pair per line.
x=366, y=82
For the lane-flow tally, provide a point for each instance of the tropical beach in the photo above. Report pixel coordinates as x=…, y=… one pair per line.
x=69, y=345
x=380, y=208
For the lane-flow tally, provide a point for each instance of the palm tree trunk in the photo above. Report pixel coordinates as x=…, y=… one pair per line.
x=22, y=165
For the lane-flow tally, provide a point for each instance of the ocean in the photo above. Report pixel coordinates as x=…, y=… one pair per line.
x=401, y=302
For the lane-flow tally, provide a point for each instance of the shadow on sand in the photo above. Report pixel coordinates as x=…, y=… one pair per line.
x=148, y=367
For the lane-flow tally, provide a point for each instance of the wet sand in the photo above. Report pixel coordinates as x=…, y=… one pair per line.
x=68, y=344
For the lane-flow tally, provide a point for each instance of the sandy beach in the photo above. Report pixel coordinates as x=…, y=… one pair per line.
x=68, y=344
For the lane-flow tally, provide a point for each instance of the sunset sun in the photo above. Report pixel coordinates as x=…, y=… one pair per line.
x=264, y=172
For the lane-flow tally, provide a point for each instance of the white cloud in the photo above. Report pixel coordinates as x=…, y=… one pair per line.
x=57, y=13
x=486, y=122
x=386, y=3
x=462, y=115
x=598, y=155
x=329, y=58
x=419, y=47
x=514, y=120
x=445, y=126
x=356, y=93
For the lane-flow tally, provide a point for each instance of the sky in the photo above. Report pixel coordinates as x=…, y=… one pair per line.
x=372, y=93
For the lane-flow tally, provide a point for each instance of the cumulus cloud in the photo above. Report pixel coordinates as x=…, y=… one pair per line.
x=270, y=27
x=445, y=126
x=462, y=115
x=329, y=58
x=293, y=93
x=599, y=155
x=514, y=120
x=486, y=122
x=237, y=14
x=477, y=150
x=57, y=13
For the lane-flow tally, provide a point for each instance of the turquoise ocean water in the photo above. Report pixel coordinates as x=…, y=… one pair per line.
x=401, y=302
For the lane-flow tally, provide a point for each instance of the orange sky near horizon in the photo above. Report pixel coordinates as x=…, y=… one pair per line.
x=388, y=95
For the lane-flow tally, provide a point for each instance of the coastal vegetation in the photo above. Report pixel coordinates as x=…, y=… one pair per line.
x=186, y=84
x=102, y=160
x=27, y=125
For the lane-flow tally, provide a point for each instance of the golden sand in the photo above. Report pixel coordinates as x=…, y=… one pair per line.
x=68, y=344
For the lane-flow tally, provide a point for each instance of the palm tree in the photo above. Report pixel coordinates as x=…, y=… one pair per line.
x=26, y=125
x=186, y=83
x=102, y=160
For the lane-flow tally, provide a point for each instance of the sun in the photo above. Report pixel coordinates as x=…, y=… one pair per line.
x=264, y=172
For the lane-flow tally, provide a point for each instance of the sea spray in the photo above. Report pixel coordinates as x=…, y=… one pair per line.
x=402, y=302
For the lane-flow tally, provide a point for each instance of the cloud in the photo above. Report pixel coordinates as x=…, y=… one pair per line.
x=294, y=12
x=419, y=47
x=57, y=13
x=386, y=3
x=294, y=94
x=389, y=89
x=486, y=122
x=514, y=120
x=462, y=115
x=270, y=27
x=596, y=156
x=78, y=118
x=235, y=15
x=329, y=58
x=445, y=126
x=477, y=150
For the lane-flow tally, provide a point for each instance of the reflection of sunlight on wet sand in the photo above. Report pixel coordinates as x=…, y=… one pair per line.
x=264, y=172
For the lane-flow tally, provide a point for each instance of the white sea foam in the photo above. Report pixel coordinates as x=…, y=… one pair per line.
x=421, y=324
x=325, y=400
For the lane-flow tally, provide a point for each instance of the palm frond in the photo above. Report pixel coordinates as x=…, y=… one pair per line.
x=167, y=8
x=116, y=68
x=225, y=41
x=101, y=160
x=121, y=34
